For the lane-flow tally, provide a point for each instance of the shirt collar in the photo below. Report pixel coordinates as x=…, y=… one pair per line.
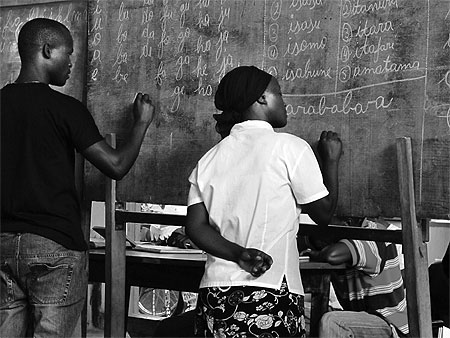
x=251, y=124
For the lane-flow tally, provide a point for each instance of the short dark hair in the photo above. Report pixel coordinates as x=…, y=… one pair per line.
x=37, y=32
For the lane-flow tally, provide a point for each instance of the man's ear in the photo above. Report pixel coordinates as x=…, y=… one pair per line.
x=262, y=99
x=46, y=51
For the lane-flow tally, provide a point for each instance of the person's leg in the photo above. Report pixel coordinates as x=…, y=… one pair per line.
x=353, y=324
x=57, y=281
x=14, y=312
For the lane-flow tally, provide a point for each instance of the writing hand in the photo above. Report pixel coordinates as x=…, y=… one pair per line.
x=143, y=110
x=255, y=261
x=314, y=255
x=330, y=146
x=180, y=240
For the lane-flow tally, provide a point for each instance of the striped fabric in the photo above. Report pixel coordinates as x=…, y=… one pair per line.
x=374, y=283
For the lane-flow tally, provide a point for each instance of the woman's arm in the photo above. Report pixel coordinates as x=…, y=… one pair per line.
x=210, y=240
x=330, y=150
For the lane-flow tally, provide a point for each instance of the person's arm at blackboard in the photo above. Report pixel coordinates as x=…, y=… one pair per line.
x=115, y=163
x=329, y=152
x=207, y=238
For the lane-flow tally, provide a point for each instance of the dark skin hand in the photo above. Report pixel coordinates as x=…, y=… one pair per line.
x=329, y=153
x=207, y=238
x=254, y=261
x=115, y=163
x=333, y=254
x=180, y=240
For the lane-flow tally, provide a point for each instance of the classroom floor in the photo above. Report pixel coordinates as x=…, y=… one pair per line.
x=98, y=333
x=94, y=333
x=137, y=328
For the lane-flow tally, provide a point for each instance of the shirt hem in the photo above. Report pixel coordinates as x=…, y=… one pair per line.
x=243, y=283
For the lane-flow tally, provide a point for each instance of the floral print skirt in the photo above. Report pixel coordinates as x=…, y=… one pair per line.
x=247, y=311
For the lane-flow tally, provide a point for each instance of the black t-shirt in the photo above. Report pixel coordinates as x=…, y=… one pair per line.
x=40, y=129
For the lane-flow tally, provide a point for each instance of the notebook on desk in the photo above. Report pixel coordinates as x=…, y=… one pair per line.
x=100, y=243
x=150, y=247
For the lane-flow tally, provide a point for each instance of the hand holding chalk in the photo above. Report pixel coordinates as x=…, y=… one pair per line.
x=143, y=109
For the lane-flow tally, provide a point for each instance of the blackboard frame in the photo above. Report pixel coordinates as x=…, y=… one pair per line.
x=9, y=3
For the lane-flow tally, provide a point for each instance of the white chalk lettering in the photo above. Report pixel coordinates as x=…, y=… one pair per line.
x=353, y=7
x=306, y=72
x=345, y=107
x=295, y=48
x=307, y=26
x=308, y=4
x=386, y=67
x=177, y=93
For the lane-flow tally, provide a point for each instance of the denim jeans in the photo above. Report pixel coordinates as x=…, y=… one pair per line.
x=348, y=324
x=43, y=286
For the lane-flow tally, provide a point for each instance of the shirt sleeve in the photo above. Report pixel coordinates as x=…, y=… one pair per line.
x=83, y=130
x=366, y=256
x=194, y=196
x=306, y=177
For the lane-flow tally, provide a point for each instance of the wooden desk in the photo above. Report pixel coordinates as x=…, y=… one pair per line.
x=183, y=272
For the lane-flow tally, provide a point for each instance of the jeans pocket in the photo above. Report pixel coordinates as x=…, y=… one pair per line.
x=59, y=282
x=50, y=283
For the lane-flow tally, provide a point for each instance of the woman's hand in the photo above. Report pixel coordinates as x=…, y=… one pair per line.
x=329, y=146
x=207, y=238
x=254, y=261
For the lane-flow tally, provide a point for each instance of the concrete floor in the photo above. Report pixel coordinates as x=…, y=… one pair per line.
x=137, y=328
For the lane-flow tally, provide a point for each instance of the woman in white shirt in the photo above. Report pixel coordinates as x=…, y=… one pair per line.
x=244, y=203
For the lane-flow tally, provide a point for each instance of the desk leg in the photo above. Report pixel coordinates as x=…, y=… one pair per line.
x=319, y=287
x=127, y=305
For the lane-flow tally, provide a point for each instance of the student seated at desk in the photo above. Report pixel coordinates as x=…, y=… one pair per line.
x=370, y=291
x=179, y=239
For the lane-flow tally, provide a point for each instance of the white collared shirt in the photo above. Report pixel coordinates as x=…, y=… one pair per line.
x=252, y=184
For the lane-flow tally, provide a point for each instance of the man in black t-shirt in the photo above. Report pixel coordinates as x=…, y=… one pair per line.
x=43, y=261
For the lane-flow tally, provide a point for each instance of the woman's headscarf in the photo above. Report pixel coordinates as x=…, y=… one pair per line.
x=236, y=92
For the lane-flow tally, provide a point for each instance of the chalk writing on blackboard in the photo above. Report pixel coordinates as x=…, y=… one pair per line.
x=96, y=33
x=446, y=77
x=372, y=71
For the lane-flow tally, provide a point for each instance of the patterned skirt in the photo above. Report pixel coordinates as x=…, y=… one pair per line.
x=247, y=311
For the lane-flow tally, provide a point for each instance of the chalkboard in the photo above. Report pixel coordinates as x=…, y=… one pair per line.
x=15, y=13
x=370, y=70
